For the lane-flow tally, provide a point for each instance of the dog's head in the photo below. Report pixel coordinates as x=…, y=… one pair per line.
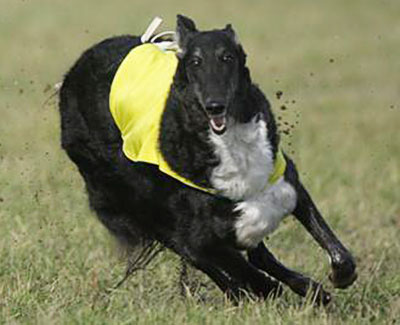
x=212, y=68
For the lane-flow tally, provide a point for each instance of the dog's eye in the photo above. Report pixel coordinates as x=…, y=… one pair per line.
x=227, y=58
x=195, y=62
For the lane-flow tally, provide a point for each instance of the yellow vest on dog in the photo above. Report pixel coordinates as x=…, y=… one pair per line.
x=137, y=99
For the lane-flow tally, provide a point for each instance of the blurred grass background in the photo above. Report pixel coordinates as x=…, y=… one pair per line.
x=337, y=64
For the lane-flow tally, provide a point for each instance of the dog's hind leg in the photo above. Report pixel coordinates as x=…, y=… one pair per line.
x=227, y=286
x=188, y=284
x=117, y=223
x=263, y=259
x=219, y=261
x=342, y=262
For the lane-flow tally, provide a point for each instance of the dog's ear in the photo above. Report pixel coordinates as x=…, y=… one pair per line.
x=228, y=30
x=185, y=29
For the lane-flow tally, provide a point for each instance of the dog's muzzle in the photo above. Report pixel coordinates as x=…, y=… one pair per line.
x=216, y=112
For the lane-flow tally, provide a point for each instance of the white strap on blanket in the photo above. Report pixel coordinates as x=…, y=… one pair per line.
x=148, y=36
x=156, y=22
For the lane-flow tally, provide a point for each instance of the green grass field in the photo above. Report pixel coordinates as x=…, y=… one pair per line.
x=337, y=63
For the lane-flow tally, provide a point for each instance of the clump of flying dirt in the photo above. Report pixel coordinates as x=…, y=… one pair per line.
x=287, y=118
x=279, y=94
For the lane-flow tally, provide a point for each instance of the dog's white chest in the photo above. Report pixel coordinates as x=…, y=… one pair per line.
x=246, y=162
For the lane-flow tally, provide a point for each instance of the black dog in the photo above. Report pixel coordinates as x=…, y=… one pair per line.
x=218, y=131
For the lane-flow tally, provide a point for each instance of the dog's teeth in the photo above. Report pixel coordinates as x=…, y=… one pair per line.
x=218, y=124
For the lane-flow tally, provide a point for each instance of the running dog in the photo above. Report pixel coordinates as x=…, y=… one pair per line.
x=199, y=170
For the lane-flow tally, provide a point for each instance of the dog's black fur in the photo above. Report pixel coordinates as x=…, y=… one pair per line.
x=136, y=200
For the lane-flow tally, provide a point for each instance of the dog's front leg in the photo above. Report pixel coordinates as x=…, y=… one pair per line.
x=263, y=259
x=342, y=262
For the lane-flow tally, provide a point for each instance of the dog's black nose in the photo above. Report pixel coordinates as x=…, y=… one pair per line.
x=215, y=107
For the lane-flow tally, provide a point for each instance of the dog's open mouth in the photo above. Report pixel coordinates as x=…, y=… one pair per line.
x=218, y=123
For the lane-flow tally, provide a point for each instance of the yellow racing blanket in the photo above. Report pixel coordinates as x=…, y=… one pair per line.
x=137, y=99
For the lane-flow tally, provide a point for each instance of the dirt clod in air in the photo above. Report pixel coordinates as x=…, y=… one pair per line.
x=279, y=94
x=47, y=88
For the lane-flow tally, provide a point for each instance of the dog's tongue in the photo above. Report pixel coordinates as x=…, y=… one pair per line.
x=218, y=123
